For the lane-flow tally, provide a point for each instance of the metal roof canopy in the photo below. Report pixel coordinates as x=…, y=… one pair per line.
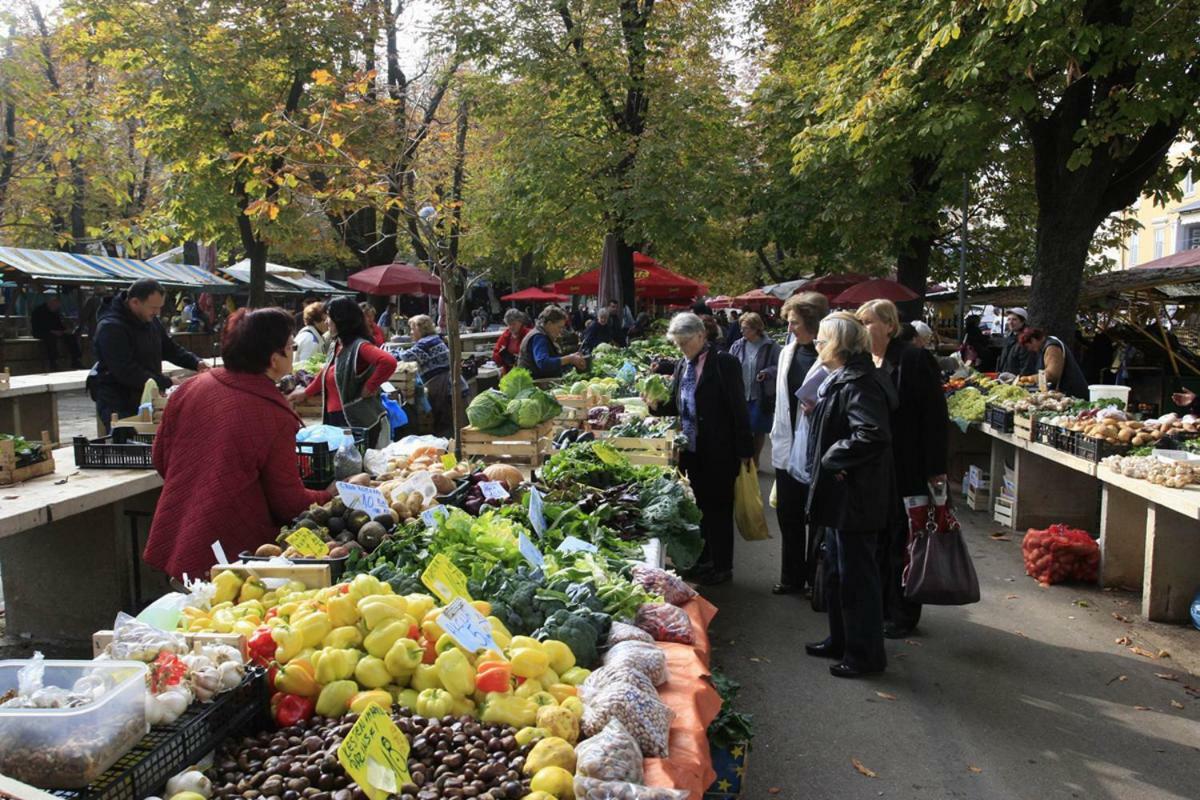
x=53, y=266
x=285, y=276
x=170, y=274
x=1169, y=281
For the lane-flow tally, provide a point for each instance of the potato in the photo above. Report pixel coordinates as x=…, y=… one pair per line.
x=268, y=550
x=361, y=479
x=1126, y=435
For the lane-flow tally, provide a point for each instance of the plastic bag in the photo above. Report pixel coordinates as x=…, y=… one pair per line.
x=748, y=506
x=659, y=581
x=134, y=640
x=347, y=462
x=396, y=416
x=646, y=657
x=665, y=622
x=592, y=789
x=646, y=717
x=330, y=434
x=624, y=632
x=611, y=755
x=605, y=678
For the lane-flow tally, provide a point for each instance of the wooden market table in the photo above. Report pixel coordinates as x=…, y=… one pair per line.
x=30, y=404
x=1149, y=534
x=70, y=550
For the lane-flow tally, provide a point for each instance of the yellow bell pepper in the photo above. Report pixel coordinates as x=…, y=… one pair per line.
x=360, y=701
x=446, y=642
x=559, y=722
x=403, y=657
x=335, y=664
x=561, y=657
x=419, y=604
x=574, y=705
x=528, y=662
x=527, y=641
x=500, y=633
x=245, y=627
x=298, y=677
x=549, y=677
x=342, y=611
x=456, y=673
x=529, y=688
x=431, y=630
x=509, y=710
x=376, y=609
x=288, y=643
x=554, y=781
x=575, y=675
x=561, y=691
x=542, y=698
x=552, y=751
x=462, y=707
x=227, y=584
x=335, y=698
x=343, y=637
x=314, y=628
x=371, y=673
x=364, y=585
x=252, y=589
x=528, y=736
x=425, y=677
x=483, y=607
x=407, y=698
x=434, y=703
x=380, y=640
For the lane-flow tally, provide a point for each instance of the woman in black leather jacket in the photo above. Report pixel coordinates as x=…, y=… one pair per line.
x=850, y=450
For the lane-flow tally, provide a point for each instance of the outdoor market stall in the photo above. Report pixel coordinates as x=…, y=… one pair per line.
x=651, y=281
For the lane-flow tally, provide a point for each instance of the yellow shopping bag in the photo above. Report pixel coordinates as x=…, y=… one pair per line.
x=748, y=506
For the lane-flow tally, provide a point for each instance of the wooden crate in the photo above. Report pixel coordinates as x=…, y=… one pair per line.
x=529, y=446
x=1023, y=427
x=101, y=640
x=574, y=411
x=142, y=423
x=642, y=450
x=979, y=499
x=9, y=471
x=405, y=380
x=1002, y=511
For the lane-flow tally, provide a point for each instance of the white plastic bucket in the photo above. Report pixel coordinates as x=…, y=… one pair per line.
x=1104, y=391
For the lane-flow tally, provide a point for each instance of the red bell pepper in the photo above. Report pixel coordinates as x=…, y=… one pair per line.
x=289, y=709
x=261, y=647
x=431, y=652
x=493, y=679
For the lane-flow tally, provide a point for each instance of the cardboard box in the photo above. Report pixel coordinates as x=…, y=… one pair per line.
x=730, y=766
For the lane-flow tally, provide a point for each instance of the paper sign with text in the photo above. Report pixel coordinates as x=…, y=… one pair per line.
x=537, y=517
x=375, y=753
x=445, y=580
x=363, y=498
x=531, y=553
x=467, y=626
x=493, y=490
x=430, y=516
x=308, y=543
x=572, y=544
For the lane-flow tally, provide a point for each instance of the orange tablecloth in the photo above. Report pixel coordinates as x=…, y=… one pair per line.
x=695, y=703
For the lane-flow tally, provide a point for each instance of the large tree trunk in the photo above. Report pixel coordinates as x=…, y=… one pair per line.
x=920, y=197
x=1063, y=241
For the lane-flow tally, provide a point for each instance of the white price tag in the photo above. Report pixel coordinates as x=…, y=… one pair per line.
x=493, y=490
x=363, y=498
x=572, y=544
x=537, y=517
x=531, y=553
x=387, y=387
x=219, y=552
x=467, y=626
x=431, y=516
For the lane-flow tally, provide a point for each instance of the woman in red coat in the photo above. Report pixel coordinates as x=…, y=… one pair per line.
x=508, y=346
x=226, y=449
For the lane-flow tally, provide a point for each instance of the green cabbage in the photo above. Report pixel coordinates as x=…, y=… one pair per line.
x=526, y=412
x=488, y=410
x=578, y=387
x=516, y=381
x=655, y=388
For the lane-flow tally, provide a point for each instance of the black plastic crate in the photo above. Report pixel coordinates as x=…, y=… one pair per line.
x=316, y=459
x=124, y=448
x=1096, y=450
x=1051, y=435
x=999, y=418
x=169, y=749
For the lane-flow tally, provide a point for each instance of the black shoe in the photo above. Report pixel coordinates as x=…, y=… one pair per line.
x=696, y=572
x=822, y=650
x=844, y=670
x=715, y=578
x=893, y=631
x=785, y=588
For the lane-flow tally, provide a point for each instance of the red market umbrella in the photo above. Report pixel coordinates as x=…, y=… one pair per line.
x=720, y=301
x=875, y=289
x=651, y=281
x=757, y=297
x=392, y=279
x=535, y=294
x=832, y=285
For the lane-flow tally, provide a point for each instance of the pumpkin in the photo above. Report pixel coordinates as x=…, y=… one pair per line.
x=504, y=472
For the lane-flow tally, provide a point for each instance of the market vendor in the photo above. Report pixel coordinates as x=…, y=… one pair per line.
x=1015, y=359
x=350, y=382
x=508, y=345
x=1048, y=353
x=709, y=397
x=310, y=340
x=226, y=450
x=130, y=346
x=432, y=357
x=539, y=352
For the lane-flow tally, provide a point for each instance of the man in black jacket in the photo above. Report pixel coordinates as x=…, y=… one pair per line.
x=130, y=346
x=1013, y=357
x=50, y=329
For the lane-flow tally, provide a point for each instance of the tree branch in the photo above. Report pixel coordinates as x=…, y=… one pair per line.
x=575, y=40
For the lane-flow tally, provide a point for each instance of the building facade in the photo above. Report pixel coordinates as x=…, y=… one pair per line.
x=1165, y=230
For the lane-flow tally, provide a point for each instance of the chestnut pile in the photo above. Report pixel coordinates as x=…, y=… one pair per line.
x=451, y=757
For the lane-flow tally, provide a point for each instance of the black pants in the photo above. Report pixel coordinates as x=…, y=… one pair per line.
x=797, y=539
x=713, y=487
x=893, y=549
x=50, y=348
x=852, y=592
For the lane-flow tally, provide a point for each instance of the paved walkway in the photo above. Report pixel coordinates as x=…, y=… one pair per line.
x=1027, y=694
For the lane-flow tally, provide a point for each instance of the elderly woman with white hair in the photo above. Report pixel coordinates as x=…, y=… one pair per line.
x=708, y=396
x=849, y=450
x=432, y=358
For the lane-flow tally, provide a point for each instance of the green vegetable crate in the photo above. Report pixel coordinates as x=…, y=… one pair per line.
x=730, y=765
x=11, y=473
x=527, y=446
x=661, y=452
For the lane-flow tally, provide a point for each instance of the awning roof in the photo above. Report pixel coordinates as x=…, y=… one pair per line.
x=1168, y=281
x=285, y=280
x=58, y=267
